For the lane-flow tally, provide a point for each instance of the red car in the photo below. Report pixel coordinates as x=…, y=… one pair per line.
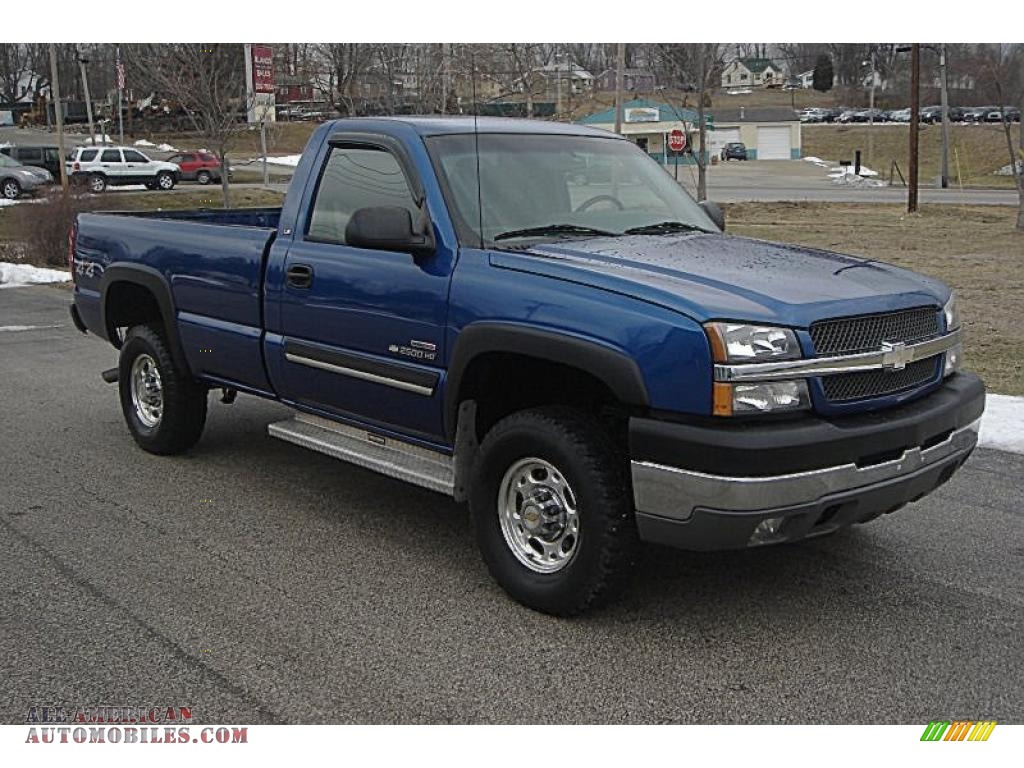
x=203, y=167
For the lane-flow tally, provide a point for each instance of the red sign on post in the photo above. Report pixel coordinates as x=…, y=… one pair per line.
x=262, y=69
x=677, y=140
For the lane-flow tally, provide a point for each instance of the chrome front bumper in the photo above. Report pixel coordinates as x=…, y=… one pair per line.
x=695, y=510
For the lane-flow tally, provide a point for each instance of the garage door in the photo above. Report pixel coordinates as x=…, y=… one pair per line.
x=722, y=136
x=773, y=142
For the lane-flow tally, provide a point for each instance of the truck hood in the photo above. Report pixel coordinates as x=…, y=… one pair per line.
x=713, y=276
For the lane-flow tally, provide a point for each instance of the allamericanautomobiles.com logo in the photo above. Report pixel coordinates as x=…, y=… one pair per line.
x=106, y=724
x=958, y=730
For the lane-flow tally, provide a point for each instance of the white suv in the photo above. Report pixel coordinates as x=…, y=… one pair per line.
x=100, y=167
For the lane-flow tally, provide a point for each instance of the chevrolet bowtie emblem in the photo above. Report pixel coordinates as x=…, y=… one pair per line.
x=895, y=355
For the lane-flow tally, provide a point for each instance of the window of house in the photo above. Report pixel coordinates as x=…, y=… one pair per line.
x=354, y=178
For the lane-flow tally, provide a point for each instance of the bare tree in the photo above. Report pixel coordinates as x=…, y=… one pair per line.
x=207, y=81
x=345, y=64
x=1005, y=69
x=699, y=64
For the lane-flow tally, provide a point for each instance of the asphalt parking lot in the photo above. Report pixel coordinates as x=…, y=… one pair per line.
x=259, y=582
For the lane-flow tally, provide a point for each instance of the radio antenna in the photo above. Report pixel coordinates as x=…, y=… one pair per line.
x=476, y=144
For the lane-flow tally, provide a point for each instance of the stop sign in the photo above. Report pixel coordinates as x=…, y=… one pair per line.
x=677, y=140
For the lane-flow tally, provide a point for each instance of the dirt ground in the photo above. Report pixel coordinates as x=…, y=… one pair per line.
x=974, y=249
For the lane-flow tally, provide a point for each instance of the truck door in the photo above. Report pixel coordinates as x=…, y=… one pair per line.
x=362, y=331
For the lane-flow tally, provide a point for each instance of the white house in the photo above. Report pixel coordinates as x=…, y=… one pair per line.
x=751, y=73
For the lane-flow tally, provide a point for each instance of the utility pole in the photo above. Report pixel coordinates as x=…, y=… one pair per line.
x=263, y=149
x=945, y=115
x=82, y=61
x=915, y=118
x=620, y=67
x=871, y=111
x=58, y=114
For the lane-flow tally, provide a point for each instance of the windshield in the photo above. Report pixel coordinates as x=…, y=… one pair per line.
x=546, y=186
x=6, y=162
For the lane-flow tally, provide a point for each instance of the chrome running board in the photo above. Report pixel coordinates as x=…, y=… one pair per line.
x=386, y=455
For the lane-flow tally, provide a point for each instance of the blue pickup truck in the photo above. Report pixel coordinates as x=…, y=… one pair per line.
x=535, y=319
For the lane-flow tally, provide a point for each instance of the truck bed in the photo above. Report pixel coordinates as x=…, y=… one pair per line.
x=211, y=260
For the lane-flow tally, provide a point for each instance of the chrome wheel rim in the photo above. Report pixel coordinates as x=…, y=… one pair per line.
x=147, y=391
x=10, y=190
x=538, y=513
x=165, y=182
x=97, y=185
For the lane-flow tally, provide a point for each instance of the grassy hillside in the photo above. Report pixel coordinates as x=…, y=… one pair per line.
x=979, y=149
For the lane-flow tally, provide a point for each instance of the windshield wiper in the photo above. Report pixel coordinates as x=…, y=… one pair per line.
x=662, y=227
x=553, y=229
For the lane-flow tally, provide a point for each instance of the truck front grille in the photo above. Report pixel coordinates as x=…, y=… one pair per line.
x=856, y=386
x=850, y=335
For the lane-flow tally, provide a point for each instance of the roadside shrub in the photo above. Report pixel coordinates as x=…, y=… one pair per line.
x=39, y=228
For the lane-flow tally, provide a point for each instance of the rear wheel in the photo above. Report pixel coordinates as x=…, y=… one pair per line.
x=164, y=408
x=165, y=181
x=97, y=183
x=11, y=189
x=553, y=511
x=204, y=177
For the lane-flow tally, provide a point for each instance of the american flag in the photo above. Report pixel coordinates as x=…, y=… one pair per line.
x=119, y=66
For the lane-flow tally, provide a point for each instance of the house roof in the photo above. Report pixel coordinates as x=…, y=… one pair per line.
x=666, y=112
x=757, y=66
x=634, y=71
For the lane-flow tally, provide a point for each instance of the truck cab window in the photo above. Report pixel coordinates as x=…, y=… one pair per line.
x=354, y=178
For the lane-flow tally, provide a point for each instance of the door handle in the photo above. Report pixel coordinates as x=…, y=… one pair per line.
x=300, y=275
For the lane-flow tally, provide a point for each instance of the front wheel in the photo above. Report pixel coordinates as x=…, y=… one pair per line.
x=553, y=511
x=164, y=408
x=165, y=181
x=11, y=189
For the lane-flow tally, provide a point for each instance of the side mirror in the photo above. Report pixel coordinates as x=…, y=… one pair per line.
x=714, y=213
x=388, y=228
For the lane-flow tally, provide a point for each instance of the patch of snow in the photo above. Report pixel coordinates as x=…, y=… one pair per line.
x=818, y=161
x=1002, y=426
x=16, y=275
x=845, y=175
x=166, y=148
x=144, y=143
x=738, y=91
x=292, y=160
x=16, y=328
x=1007, y=170
x=101, y=138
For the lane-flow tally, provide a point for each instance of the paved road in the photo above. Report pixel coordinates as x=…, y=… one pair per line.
x=260, y=583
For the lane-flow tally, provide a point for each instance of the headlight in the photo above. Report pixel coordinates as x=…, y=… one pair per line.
x=952, y=313
x=736, y=343
x=761, y=397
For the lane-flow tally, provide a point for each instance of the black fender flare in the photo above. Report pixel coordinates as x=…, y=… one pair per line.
x=616, y=369
x=151, y=279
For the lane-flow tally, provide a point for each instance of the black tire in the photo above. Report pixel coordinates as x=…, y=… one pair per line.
x=577, y=446
x=204, y=177
x=165, y=181
x=97, y=183
x=183, y=416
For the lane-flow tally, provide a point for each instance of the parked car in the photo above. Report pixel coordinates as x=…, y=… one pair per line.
x=996, y=115
x=977, y=114
x=38, y=156
x=16, y=178
x=848, y=116
x=587, y=371
x=100, y=167
x=202, y=167
x=734, y=150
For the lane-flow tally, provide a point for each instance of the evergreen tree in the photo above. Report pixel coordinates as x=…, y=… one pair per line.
x=823, y=75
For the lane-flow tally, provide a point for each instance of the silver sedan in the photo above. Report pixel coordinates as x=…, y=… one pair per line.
x=16, y=178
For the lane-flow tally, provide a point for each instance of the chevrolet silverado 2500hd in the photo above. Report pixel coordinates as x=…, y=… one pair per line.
x=533, y=317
